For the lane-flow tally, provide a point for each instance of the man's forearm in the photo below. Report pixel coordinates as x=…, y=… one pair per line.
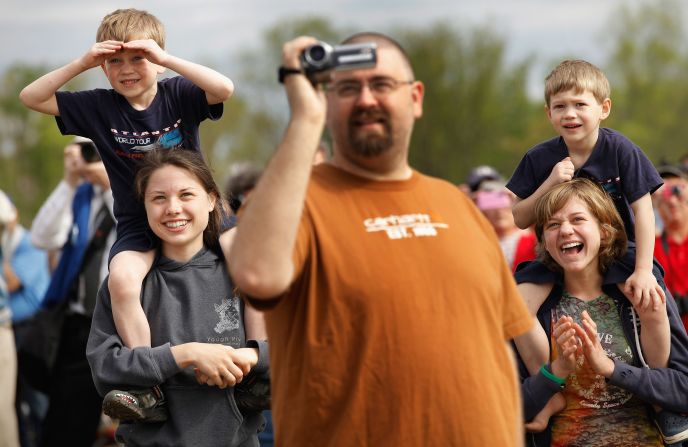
x=261, y=255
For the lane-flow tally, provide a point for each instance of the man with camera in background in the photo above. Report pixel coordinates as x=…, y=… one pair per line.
x=76, y=220
x=389, y=301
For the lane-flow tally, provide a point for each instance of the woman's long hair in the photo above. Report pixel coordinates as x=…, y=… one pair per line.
x=193, y=162
x=613, y=239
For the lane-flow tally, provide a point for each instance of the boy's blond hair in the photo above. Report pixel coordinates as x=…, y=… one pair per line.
x=577, y=75
x=129, y=24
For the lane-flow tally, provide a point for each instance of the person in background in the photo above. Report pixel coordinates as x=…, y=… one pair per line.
x=76, y=220
x=242, y=179
x=480, y=174
x=25, y=267
x=26, y=274
x=8, y=352
x=671, y=246
x=495, y=201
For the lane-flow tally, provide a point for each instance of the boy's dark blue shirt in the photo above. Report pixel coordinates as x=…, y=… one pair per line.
x=616, y=164
x=123, y=134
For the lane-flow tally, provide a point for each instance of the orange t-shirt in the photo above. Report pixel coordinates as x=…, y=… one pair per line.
x=394, y=330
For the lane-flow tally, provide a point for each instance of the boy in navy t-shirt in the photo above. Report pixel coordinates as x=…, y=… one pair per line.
x=577, y=101
x=137, y=115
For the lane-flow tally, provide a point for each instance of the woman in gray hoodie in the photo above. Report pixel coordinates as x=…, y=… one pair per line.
x=198, y=323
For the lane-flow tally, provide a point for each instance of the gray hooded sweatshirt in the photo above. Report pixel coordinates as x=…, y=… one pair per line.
x=184, y=302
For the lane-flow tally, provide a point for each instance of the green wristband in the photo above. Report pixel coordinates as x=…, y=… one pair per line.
x=545, y=372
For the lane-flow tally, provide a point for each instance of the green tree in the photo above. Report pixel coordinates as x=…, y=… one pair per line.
x=31, y=155
x=647, y=67
x=476, y=106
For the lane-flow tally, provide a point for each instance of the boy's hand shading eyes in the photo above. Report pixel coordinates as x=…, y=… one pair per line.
x=149, y=48
x=97, y=54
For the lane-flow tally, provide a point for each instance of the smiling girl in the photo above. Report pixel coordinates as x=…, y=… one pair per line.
x=200, y=328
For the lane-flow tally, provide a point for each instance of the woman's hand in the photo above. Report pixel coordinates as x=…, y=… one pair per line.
x=567, y=346
x=595, y=355
x=244, y=358
x=220, y=365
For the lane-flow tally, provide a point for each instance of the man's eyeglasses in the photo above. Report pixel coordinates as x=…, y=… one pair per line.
x=379, y=87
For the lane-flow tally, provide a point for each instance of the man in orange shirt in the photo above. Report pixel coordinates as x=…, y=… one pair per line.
x=390, y=302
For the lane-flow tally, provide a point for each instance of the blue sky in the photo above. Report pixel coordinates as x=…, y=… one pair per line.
x=213, y=31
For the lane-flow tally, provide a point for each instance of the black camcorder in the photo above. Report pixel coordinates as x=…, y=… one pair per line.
x=320, y=59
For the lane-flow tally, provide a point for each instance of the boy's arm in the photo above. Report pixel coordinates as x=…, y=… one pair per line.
x=524, y=209
x=655, y=338
x=217, y=87
x=642, y=283
x=40, y=94
x=646, y=292
x=644, y=232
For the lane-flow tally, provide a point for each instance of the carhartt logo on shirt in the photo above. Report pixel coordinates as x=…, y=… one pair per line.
x=404, y=225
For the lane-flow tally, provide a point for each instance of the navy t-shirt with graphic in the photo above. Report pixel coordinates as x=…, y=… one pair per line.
x=123, y=135
x=616, y=164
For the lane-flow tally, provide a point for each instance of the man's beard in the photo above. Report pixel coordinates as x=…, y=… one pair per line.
x=370, y=144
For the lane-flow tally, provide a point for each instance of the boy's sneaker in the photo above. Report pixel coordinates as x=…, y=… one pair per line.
x=136, y=405
x=673, y=427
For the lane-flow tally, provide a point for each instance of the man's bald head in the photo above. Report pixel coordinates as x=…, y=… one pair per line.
x=382, y=41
